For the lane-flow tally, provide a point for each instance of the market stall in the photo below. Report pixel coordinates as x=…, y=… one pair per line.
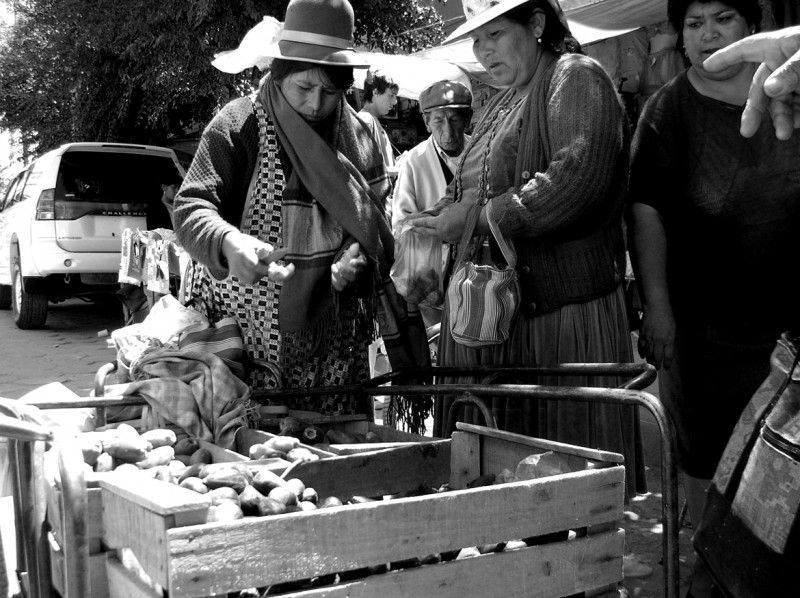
x=410, y=516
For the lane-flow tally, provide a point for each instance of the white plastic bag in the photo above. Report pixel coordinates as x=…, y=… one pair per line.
x=417, y=269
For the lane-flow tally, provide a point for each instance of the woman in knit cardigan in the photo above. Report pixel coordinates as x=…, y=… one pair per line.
x=290, y=174
x=550, y=160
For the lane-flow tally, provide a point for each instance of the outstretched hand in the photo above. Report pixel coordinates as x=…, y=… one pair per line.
x=776, y=84
x=349, y=266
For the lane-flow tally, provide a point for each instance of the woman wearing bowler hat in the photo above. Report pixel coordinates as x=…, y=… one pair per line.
x=548, y=163
x=283, y=208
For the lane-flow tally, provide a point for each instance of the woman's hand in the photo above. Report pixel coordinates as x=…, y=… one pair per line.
x=449, y=225
x=657, y=337
x=349, y=266
x=250, y=259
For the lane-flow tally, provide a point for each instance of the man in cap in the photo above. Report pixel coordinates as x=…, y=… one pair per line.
x=428, y=168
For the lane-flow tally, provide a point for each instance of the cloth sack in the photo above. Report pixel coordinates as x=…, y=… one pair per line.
x=749, y=535
x=482, y=299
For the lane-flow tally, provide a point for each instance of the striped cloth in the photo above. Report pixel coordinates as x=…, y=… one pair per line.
x=223, y=339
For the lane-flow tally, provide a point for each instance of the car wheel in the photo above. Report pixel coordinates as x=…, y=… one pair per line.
x=5, y=296
x=30, y=309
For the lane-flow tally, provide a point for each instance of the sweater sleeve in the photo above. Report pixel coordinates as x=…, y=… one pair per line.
x=212, y=197
x=587, y=138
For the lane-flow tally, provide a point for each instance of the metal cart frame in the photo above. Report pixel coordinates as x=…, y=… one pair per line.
x=399, y=382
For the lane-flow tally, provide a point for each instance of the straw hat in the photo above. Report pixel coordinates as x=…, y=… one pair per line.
x=316, y=31
x=480, y=12
x=445, y=94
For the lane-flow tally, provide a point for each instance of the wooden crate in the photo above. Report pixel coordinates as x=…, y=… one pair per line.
x=164, y=527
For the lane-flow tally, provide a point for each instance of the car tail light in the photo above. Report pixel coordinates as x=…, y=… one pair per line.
x=45, y=207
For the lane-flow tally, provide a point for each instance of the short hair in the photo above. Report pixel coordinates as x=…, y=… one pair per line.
x=749, y=9
x=555, y=36
x=378, y=81
x=340, y=76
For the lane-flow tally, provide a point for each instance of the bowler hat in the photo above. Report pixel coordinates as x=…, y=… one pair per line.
x=480, y=12
x=445, y=94
x=318, y=31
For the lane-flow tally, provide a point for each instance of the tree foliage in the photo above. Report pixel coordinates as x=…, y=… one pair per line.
x=139, y=71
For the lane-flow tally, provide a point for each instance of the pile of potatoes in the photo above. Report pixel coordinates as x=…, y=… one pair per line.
x=283, y=447
x=235, y=489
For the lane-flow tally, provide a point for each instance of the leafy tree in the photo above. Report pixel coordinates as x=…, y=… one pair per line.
x=139, y=71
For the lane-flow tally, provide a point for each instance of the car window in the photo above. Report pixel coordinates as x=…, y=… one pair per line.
x=9, y=194
x=14, y=191
x=111, y=177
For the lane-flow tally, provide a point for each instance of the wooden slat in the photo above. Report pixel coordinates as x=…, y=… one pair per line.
x=547, y=445
x=497, y=455
x=216, y=558
x=547, y=571
x=124, y=584
x=137, y=512
x=221, y=455
x=465, y=459
x=378, y=473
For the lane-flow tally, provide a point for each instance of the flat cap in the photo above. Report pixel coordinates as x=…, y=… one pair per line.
x=445, y=94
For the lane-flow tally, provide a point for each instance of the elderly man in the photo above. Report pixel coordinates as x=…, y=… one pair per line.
x=428, y=168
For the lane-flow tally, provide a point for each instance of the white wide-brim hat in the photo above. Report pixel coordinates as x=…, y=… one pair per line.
x=315, y=31
x=480, y=12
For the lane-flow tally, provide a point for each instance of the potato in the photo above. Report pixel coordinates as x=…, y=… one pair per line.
x=283, y=495
x=186, y=446
x=229, y=477
x=127, y=449
x=330, y=501
x=195, y=484
x=283, y=443
x=249, y=499
x=158, y=456
x=104, y=463
x=297, y=486
x=219, y=495
x=201, y=456
x=226, y=511
x=91, y=446
x=301, y=454
x=192, y=471
x=160, y=437
x=270, y=506
x=265, y=480
x=310, y=495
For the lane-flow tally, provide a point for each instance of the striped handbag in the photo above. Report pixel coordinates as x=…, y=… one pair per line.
x=482, y=299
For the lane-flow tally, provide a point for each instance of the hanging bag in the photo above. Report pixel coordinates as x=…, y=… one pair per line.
x=482, y=299
x=749, y=535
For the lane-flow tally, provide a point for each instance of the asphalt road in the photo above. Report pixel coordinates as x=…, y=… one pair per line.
x=68, y=350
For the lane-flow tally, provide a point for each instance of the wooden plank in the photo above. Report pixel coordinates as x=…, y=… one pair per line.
x=379, y=473
x=497, y=455
x=125, y=584
x=137, y=512
x=98, y=581
x=363, y=447
x=465, y=463
x=547, y=571
x=214, y=558
x=221, y=455
x=547, y=445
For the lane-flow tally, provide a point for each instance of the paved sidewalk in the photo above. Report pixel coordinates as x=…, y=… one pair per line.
x=69, y=350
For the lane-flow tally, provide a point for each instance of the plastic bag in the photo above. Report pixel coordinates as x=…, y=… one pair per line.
x=417, y=269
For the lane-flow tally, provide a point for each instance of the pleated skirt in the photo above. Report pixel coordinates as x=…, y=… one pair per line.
x=592, y=332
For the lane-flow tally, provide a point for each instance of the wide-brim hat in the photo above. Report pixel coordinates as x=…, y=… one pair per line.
x=445, y=94
x=315, y=31
x=480, y=12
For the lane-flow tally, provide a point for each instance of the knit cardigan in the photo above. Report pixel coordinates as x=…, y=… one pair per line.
x=221, y=168
x=564, y=212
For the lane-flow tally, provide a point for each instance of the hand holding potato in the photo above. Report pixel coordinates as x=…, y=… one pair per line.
x=349, y=266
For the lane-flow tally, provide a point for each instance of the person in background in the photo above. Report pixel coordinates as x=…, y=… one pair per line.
x=776, y=83
x=714, y=219
x=428, y=168
x=380, y=97
x=170, y=183
x=550, y=159
x=283, y=210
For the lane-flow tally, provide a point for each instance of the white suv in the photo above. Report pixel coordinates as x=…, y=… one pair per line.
x=62, y=218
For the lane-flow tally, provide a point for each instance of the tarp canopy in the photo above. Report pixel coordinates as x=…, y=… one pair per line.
x=590, y=21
